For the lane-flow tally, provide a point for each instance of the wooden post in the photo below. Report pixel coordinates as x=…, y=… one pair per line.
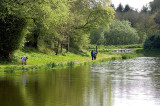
x=96, y=50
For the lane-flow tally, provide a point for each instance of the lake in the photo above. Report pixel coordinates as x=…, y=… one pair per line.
x=132, y=82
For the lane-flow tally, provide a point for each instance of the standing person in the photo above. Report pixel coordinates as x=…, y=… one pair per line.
x=92, y=54
x=24, y=60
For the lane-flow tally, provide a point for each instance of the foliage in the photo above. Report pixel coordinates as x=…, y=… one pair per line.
x=71, y=64
x=155, y=5
x=52, y=65
x=157, y=19
x=51, y=24
x=11, y=35
x=140, y=20
x=121, y=33
x=127, y=8
x=97, y=36
x=119, y=8
x=127, y=56
x=46, y=17
x=147, y=52
x=152, y=42
x=86, y=19
x=12, y=28
x=145, y=9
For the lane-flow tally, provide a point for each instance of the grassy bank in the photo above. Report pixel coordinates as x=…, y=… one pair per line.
x=41, y=61
x=38, y=60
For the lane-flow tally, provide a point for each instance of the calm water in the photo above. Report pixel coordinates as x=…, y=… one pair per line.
x=134, y=82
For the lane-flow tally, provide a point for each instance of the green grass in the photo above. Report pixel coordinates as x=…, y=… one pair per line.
x=41, y=61
x=38, y=60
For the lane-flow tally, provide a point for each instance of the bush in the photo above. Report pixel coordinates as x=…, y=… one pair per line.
x=71, y=64
x=127, y=56
x=51, y=65
x=152, y=42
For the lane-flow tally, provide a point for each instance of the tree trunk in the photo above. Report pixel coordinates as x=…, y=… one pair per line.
x=57, y=48
x=36, y=35
x=68, y=44
x=61, y=46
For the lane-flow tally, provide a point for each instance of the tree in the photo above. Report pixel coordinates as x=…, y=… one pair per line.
x=144, y=9
x=155, y=6
x=127, y=8
x=51, y=22
x=46, y=16
x=86, y=16
x=152, y=42
x=157, y=19
x=69, y=23
x=112, y=5
x=97, y=36
x=120, y=8
x=121, y=33
x=12, y=27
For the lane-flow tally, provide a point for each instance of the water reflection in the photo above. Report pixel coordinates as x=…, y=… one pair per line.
x=132, y=82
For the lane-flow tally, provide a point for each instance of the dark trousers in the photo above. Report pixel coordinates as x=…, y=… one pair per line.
x=92, y=57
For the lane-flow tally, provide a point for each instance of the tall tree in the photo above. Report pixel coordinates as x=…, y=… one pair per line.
x=85, y=16
x=12, y=27
x=155, y=5
x=127, y=8
x=157, y=19
x=46, y=15
x=120, y=8
x=144, y=9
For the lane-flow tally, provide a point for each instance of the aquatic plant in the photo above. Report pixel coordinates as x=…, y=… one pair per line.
x=52, y=65
x=9, y=69
x=71, y=63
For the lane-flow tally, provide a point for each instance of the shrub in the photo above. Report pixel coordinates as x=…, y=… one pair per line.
x=152, y=42
x=52, y=65
x=71, y=64
x=127, y=56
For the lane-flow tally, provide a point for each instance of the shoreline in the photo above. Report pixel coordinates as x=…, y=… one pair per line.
x=68, y=60
x=59, y=65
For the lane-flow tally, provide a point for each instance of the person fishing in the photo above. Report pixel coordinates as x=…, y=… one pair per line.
x=24, y=60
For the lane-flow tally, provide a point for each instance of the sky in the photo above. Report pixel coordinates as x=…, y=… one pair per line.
x=136, y=4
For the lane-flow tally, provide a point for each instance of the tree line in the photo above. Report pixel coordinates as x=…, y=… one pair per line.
x=50, y=24
x=71, y=25
x=131, y=26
